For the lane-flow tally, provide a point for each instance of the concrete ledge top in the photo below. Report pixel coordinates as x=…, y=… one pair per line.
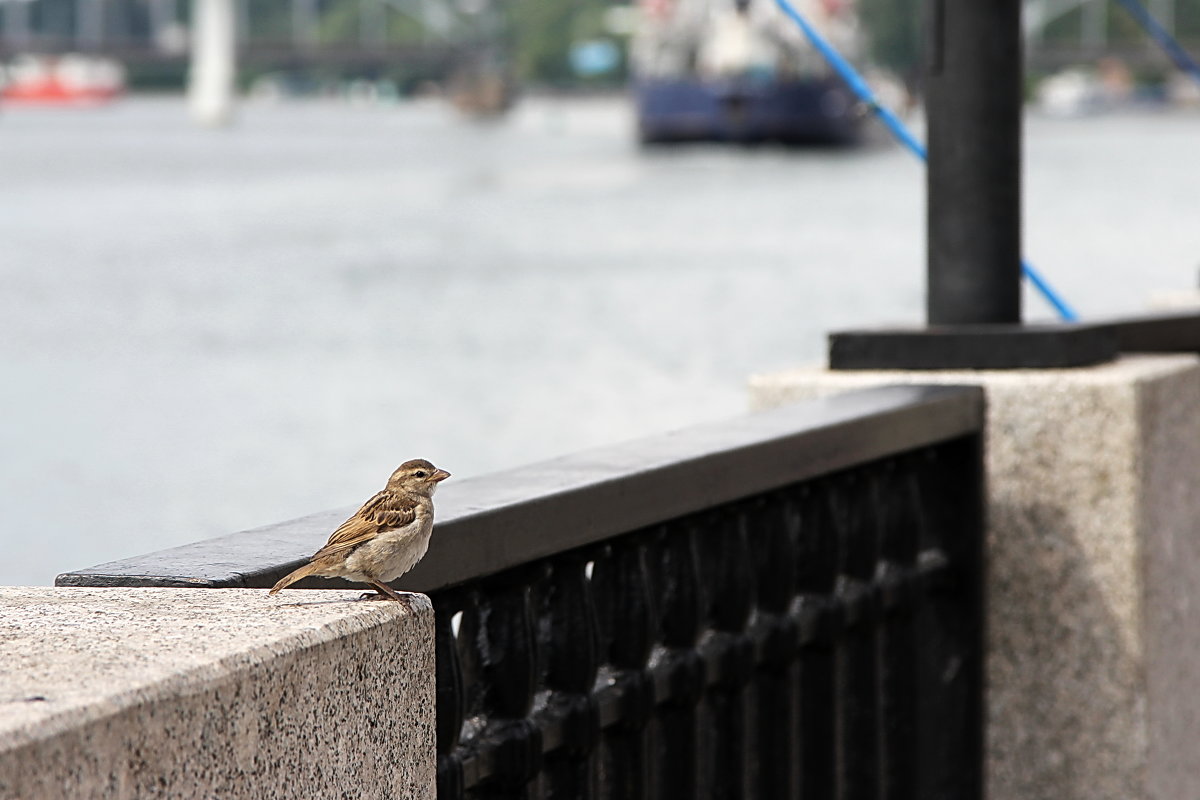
x=75, y=655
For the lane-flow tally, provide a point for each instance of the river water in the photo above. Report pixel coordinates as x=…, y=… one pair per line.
x=204, y=331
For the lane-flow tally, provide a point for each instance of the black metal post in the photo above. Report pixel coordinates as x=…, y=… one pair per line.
x=973, y=104
x=973, y=90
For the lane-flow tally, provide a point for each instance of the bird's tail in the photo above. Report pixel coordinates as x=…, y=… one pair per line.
x=303, y=572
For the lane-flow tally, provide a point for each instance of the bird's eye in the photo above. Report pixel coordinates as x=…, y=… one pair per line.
x=420, y=473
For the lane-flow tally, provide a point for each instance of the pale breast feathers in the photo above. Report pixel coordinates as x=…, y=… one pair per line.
x=384, y=512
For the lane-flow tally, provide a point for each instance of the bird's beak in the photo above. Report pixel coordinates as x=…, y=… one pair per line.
x=439, y=475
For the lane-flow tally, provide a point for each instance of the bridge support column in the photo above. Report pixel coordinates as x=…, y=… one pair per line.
x=16, y=24
x=305, y=23
x=214, y=62
x=372, y=30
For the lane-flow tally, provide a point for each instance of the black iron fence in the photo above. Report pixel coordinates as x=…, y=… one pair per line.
x=788, y=605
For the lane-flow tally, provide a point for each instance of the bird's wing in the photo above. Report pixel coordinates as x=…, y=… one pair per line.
x=385, y=511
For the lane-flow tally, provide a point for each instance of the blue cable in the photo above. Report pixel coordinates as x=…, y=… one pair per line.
x=1165, y=40
x=1065, y=312
x=893, y=123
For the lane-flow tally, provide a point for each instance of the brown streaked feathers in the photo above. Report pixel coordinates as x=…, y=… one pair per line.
x=384, y=538
x=387, y=510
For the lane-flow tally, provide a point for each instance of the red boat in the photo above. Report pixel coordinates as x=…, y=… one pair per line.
x=69, y=80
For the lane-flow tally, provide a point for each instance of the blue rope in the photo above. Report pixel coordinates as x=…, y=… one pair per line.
x=1165, y=40
x=893, y=124
x=1065, y=312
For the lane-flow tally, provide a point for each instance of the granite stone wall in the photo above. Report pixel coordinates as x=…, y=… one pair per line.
x=1093, y=579
x=202, y=693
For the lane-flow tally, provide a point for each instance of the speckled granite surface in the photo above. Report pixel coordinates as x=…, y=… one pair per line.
x=1094, y=572
x=193, y=693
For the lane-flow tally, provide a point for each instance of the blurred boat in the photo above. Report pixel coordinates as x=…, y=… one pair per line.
x=482, y=86
x=482, y=94
x=1109, y=86
x=739, y=70
x=73, y=80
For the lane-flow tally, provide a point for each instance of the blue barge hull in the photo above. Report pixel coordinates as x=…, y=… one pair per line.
x=813, y=110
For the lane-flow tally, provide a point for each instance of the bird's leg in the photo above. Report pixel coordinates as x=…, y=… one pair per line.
x=382, y=592
x=384, y=589
x=386, y=592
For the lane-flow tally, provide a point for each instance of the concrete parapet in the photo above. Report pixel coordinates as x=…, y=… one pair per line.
x=1093, y=574
x=195, y=693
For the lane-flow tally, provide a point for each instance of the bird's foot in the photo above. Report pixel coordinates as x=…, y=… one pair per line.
x=403, y=599
x=385, y=592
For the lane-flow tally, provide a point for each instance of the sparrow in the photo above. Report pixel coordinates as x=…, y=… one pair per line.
x=385, y=538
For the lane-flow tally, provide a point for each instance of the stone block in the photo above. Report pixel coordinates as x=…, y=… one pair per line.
x=1093, y=688
x=195, y=693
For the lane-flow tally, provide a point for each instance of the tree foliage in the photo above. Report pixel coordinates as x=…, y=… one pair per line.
x=893, y=30
x=543, y=31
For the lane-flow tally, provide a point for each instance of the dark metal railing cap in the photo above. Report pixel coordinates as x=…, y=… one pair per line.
x=1164, y=332
x=493, y=522
x=1049, y=346
x=1031, y=346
